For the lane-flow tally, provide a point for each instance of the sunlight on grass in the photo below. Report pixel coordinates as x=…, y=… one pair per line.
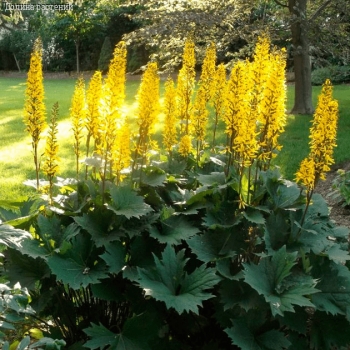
x=16, y=158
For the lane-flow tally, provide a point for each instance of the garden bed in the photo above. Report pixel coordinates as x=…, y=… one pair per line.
x=340, y=214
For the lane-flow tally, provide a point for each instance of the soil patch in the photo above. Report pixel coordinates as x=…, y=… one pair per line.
x=340, y=214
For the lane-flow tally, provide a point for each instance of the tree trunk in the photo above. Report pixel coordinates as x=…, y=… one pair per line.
x=302, y=66
x=17, y=63
x=77, y=54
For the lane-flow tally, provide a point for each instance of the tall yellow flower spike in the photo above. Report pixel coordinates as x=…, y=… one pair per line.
x=185, y=86
x=245, y=143
x=148, y=109
x=306, y=174
x=78, y=114
x=272, y=107
x=93, y=112
x=324, y=130
x=261, y=67
x=199, y=118
x=34, y=109
x=170, y=133
x=185, y=147
x=51, y=167
x=237, y=110
x=112, y=113
x=219, y=96
x=93, y=103
x=207, y=79
x=115, y=82
x=323, y=137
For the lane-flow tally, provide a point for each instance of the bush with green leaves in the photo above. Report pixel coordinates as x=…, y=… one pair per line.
x=175, y=263
x=106, y=54
x=341, y=188
x=337, y=74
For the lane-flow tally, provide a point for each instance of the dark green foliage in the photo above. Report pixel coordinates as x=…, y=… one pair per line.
x=341, y=187
x=174, y=263
x=106, y=55
x=337, y=75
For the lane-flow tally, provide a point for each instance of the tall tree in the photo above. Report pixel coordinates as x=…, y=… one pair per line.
x=300, y=21
x=238, y=22
x=77, y=24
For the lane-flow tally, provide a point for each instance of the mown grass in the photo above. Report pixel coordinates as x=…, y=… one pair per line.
x=16, y=160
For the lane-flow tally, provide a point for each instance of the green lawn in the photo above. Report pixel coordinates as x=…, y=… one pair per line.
x=16, y=163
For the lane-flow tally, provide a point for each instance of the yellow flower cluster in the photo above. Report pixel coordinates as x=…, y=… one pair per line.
x=148, y=108
x=113, y=95
x=219, y=89
x=169, y=134
x=272, y=115
x=185, y=85
x=93, y=101
x=324, y=130
x=34, y=109
x=50, y=167
x=185, y=147
x=78, y=113
x=306, y=174
x=323, y=139
x=207, y=79
x=115, y=82
x=219, y=95
x=261, y=67
x=199, y=116
x=240, y=123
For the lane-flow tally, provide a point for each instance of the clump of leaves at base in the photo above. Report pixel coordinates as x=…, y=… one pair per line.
x=185, y=259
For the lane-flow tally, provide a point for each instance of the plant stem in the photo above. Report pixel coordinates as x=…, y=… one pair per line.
x=215, y=125
x=36, y=165
x=308, y=200
x=87, y=153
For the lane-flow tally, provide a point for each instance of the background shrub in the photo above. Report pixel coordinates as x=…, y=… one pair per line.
x=337, y=74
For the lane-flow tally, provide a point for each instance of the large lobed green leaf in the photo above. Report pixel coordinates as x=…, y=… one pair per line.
x=78, y=266
x=126, y=202
x=168, y=282
x=97, y=224
x=174, y=229
x=334, y=286
x=280, y=287
x=134, y=336
x=248, y=333
x=12, y=237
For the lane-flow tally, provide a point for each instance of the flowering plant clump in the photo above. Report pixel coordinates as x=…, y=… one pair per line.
x=182, y=247
x=323, y=140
